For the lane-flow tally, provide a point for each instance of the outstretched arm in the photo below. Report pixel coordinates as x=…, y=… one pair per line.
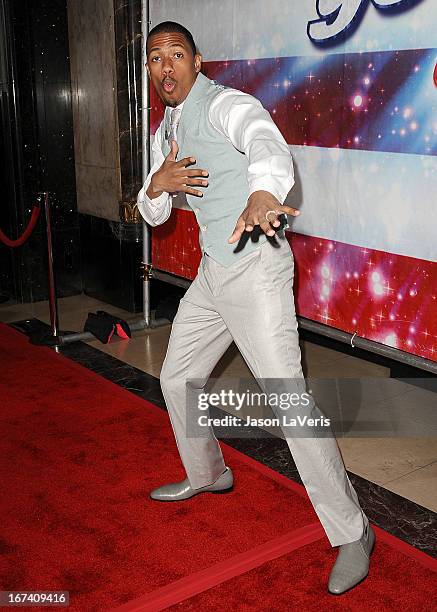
x=247, y=124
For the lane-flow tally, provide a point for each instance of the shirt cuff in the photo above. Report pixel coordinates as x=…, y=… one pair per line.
x=154, y=210
x=158, y=201
x=274, y=186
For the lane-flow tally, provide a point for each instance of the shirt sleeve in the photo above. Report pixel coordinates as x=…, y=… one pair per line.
x=154, y=210
x=248, y=125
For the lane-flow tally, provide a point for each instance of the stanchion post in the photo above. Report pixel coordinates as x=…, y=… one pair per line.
x=53, y=303
x=145, y=118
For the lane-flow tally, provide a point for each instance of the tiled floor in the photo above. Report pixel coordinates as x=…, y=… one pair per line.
x=402, y=458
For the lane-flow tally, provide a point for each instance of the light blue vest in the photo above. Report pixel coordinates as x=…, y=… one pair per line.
x=226, y=195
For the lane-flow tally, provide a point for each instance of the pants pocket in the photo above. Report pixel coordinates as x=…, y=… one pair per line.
x=277, y=261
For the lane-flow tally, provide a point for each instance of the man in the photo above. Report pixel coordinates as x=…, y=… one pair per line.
x=221, y=148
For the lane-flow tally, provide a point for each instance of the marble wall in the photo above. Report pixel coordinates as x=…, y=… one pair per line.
x=37, y=148
x=94, y=90
x=128, y=42
x=105, y=46
x=97, y=243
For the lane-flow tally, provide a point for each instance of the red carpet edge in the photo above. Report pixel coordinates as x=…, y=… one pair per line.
x=198, y=582
x=405, y=548
x=384, y=536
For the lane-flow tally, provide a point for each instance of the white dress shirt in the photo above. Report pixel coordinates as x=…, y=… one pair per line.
x=243, y=120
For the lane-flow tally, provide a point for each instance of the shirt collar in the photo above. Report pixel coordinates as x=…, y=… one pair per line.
x=170, y=108
x=196, y=92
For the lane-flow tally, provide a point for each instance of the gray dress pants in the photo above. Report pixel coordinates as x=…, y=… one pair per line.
x=251, y=303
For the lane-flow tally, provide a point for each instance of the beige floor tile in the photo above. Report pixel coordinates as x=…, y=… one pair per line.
x=72, y=311
x=345, y=367
x=316, y=354
x=354, y=396
x=323, y=363
x=410, y=414
x=383, y=459
x=379, y=407
x=417, y=397
x=154, y=369
x=17, y=312
x=144, y=348
x=232, y=365
x=420, y=486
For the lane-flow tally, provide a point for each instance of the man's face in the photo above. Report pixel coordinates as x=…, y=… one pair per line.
x=172, y=67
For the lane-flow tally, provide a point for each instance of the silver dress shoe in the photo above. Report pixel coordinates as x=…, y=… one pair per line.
x=177, y=491
x=352, y=564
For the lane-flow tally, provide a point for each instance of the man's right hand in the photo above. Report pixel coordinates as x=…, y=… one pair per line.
x=174, y=176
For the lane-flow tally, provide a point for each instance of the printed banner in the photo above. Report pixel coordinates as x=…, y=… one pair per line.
x=352, y=86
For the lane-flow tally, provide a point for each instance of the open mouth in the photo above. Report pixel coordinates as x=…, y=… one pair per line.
x=168, y=85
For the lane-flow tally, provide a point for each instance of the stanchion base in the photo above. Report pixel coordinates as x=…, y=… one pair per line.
x=38, y=332
x=44, y=338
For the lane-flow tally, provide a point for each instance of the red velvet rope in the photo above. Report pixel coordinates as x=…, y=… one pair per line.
x=25, y=235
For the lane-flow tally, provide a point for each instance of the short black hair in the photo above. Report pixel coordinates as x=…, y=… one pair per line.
x=172, y=26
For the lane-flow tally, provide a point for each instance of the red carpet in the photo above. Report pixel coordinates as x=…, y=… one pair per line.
x=79, y=456
x=296, y=582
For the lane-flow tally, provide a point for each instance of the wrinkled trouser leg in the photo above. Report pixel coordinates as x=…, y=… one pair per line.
x=198, y=339
x=252, y=303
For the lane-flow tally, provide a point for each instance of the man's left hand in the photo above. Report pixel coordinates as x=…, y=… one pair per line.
x=258, y=204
